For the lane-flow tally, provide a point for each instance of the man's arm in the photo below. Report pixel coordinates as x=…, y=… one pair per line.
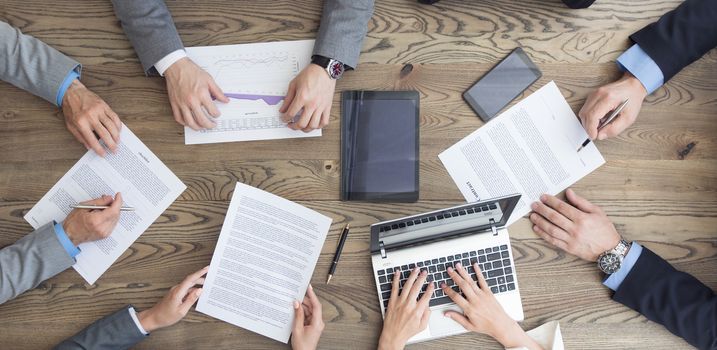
x=680, y=36
x=31, y=260
x=343, y=27
x=119, y=330
x=674, y=299
x=150, y=28
x=32, y=65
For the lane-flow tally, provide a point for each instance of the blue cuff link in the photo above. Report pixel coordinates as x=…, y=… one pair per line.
x=71, y=76
x=71, y=249
x=638, y=63
x=615, y=280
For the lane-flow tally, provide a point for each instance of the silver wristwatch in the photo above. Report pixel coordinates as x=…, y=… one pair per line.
x=610, y=261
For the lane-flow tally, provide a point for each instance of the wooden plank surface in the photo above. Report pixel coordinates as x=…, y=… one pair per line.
x=655, y=196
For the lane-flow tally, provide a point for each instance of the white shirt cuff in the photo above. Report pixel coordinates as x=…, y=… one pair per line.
x=169, y=60
x=133, y=313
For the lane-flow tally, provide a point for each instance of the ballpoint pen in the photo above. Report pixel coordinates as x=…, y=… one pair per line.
x=605, y=121
x=83, y=206
x=337, y=255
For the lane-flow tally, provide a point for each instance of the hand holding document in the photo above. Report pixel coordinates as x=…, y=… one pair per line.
x=263, y=262
x=255, y=78
x=528, y=149
x=145, y=182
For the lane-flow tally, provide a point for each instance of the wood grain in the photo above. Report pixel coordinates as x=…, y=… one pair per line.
x=655, y=189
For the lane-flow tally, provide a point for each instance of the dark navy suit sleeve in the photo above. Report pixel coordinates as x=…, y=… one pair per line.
x=680, y=36
x=674, y=299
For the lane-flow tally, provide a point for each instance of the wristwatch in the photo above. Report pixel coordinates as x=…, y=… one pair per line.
x=610, y=261
x=334, y=68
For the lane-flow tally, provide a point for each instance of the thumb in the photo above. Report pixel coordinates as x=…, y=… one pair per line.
x=298, y=318
x=461, y=319
x=190, y=300
x=621, y=122
x=217, y=92
x=104, y=200
x=580, y=202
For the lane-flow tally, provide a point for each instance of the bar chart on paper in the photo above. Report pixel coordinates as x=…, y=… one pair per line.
x=255, y=78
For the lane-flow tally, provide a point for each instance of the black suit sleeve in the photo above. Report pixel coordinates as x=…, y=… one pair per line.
x=681, y=36
x=674, y=299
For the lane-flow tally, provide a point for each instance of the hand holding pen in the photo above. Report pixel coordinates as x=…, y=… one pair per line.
x=606, y=121
x=607, y=98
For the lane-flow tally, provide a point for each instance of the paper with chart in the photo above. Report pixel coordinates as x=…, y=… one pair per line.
x=264, y=259
x=530, y=149
x=255, y=78
x=144, y=181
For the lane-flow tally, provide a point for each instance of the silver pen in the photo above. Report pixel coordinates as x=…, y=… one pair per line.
x=605, y=121
x=83, y=206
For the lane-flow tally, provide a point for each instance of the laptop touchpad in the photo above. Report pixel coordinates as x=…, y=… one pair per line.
x=440, y=325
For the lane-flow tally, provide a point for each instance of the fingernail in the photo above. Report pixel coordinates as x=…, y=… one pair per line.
x=543, y=197
x=199, y=291
x=311, y=287
x=450, y=269
x=296, y=305
x=458, y=265
x=534, y=206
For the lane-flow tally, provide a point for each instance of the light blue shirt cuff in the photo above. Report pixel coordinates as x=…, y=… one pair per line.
x=638, y=63
x=615, y=280
x=71, y=249
x=74, y=74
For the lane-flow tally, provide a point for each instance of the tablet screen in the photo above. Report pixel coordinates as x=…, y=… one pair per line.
x=380, y=141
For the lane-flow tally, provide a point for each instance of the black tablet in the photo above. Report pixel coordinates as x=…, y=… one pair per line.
x=379, y=142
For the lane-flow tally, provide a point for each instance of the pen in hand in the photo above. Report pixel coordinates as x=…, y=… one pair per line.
x=83, y=206
x=605, y=121
x=337, y=255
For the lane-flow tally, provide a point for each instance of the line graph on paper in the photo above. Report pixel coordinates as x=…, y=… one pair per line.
x=255, y=78
x=255, y=85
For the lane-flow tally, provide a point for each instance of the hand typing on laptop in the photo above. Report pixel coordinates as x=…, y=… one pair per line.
x=481, y=311
x=407, y=315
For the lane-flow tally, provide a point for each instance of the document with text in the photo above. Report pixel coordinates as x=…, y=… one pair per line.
x=255, y=78
x=263, y=261
x=530, y=149
x=144, y=181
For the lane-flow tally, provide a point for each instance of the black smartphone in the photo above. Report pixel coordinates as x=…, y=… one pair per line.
x=502, y=84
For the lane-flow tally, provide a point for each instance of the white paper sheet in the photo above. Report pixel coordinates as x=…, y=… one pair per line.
x=264, y=259
x=144, y=181
x=530, y=149
x=255, y=77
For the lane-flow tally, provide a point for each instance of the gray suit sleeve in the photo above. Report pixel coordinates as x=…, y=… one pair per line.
x=116, y=331
x=31, y=260
x=343, y=27
x=32, y=65
x=150, y=28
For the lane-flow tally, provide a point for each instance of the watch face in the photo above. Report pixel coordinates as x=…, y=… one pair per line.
x=610, y=263
x=336, y=69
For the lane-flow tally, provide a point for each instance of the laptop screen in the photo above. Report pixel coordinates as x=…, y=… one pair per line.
x=441, y=224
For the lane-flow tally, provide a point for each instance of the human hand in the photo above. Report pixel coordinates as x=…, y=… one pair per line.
x=608, y=97
x=86, y=114
x=190, y=91
x=175, y=304
x=85, y=225
x=308, y=322
x=405, y=317
x=579, y=227
x=481, y=311
x=311, y=93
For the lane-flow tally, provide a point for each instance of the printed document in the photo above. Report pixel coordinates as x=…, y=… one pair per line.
x=255, y=78
x=144, y=181
x=264, y=259
x=530, y=149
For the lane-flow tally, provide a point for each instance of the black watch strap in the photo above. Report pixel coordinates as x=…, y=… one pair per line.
x=324, y=61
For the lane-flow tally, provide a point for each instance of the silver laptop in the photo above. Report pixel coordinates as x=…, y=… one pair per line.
x=433, y=241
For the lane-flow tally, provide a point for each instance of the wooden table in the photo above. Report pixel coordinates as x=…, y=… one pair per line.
x=654, y=192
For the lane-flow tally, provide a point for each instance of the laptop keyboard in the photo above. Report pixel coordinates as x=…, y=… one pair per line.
x=494, y=263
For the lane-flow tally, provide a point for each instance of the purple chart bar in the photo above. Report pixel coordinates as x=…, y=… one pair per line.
x=268, y=99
